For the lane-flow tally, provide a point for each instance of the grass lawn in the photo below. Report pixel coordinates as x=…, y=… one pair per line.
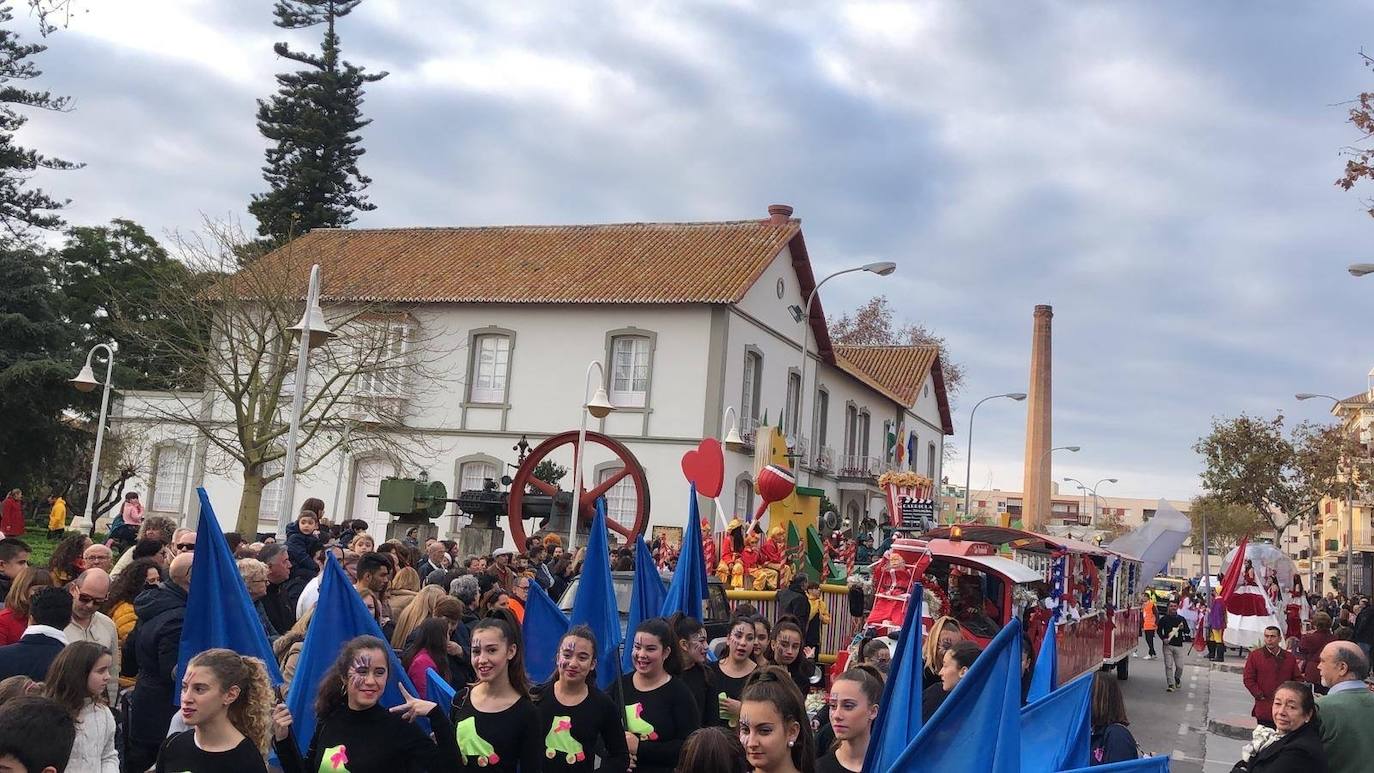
x=37, y=540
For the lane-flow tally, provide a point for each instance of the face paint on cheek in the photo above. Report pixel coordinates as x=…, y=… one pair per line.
x=362, y=666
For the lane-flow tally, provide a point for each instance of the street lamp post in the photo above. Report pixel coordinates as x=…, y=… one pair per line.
x=599, y=406
x=1349, y=506
x=1093, y=523
x=1083, y=489
x=968, y=462
x=881, y=268
x=312, y=331
x=85, y=382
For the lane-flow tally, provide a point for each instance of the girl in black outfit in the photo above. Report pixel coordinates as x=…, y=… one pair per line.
x=691, y=640
x=731, y=673
x=352, y=729
x=773, y=726
x=763, y=640
x=787, y=652
x=576, y=715
x=498, y=726
x=227, y=702
x=659, y=710
x=853, y=707
x=1298, y=748
x=958, y=660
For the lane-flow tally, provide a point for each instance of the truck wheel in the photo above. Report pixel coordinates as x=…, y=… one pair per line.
x=1123, y=669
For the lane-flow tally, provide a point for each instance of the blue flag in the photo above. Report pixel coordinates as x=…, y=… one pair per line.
x=1056, y=731
x=646, y=599
x=1045, y=675
x=899, y=711
x=542, y=631
x=688, y=588
x=595, y=604
x=340, y=615
x=1143, y=765
x=439, y=691
x=978, y=727
x=219, y=612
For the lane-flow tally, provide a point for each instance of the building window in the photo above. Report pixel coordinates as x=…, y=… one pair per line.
x=472, y=476
x=851, y=428
x=744, y=497
x=386, y=348
x=620, y=498
x=930, y=461
x=490, y=369
x=367, y=480
x=171, y=465
x=630, y=360
x=822, y=417
x=864, y=421
x=791, y=417
x=269, y=507
x=753, y=381
x=890, y=440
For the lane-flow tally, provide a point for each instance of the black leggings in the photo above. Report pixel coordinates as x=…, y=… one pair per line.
x=1150, y=642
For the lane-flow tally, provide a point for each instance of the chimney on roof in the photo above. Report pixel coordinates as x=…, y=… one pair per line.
x=778, y=214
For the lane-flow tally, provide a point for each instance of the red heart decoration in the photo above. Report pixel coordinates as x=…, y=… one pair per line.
x=705, y=467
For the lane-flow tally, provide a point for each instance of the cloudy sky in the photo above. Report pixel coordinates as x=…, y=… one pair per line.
x=1159, y=172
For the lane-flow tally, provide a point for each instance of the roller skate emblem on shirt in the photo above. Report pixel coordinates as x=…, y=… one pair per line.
x=470, y=744
x=335, y=760
x=560, y=741
x=634, y=722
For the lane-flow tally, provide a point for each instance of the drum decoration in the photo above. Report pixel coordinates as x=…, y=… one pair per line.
x=774, y=484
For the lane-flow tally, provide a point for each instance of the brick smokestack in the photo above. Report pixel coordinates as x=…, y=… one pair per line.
x=1036, y=488
x=778, y=214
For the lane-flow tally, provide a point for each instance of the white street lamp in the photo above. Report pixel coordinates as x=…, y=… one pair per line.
x=1349, y=492
x=1093, y=523
x=730, y=438
x=85, y=382
x=881, y=268
x=312, y=330
x=968, y=462
x=599, y=406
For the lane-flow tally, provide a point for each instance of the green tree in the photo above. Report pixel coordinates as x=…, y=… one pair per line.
x=1250, y=462
x=313, y=122
x=1227, y=522
x=35, y=346
x=112, y=277
x=23, y=207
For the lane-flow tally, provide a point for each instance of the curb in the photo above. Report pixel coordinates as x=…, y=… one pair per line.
x=1238, y=728
x=1228, y=667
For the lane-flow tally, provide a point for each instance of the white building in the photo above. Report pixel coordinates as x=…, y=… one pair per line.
x=690, y=319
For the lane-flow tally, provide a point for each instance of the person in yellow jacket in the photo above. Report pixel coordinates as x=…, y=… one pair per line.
x=57, y=517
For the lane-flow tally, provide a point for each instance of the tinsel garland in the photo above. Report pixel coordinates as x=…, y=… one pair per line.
x=1057, y=561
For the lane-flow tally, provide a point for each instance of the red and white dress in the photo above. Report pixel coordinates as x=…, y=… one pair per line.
x=1248, y=612
x=1295, y=612
x=1248, y=599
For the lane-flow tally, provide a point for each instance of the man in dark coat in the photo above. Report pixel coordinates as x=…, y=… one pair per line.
x=792, y=601
x=154, y=646
x=1266, y=668
x=42, y=640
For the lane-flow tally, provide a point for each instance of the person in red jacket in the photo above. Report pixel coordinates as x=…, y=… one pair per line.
x=1266, y=668
x=12, y=520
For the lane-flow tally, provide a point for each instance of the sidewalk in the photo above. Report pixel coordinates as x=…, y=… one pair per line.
x=1229, y=723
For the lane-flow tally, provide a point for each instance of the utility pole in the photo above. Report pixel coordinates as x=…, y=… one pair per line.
x=1206, y=548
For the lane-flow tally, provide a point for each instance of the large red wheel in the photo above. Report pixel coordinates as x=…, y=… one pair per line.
x=623, y=524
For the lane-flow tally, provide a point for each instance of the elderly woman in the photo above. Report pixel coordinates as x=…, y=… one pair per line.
x=1295, y=744
x=254, y=574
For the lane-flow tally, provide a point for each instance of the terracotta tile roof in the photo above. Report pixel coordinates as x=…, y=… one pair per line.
x=899, y=372
x=619, y=263
x=1359, y=399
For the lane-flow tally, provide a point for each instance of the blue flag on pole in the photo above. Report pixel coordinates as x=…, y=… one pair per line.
x=595, y=604
x=978, y=727
x=1056, y=731
x=219, y=612
x=439, y=691
x=542, y=631
x=646, y=599
x=1046, y=672
x=899, y=711
x=340, y=615
x=688, y=588
x=1143, y=765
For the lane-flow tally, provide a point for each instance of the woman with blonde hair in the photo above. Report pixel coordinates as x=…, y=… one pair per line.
x=421, y=608
x=14, y=618
x=227, y=702
x=945, y=632
x=402, y=590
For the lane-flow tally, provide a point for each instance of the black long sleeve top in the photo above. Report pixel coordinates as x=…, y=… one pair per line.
x=573, y=733
x=374, y=741
x=662, y=718
x=498, y=742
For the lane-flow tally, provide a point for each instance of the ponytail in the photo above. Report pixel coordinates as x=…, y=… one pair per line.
x=251, y=712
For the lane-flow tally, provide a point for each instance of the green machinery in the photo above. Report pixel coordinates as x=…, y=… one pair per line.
x=413, y=500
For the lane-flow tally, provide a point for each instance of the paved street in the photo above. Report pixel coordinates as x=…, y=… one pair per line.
x=1177, y=723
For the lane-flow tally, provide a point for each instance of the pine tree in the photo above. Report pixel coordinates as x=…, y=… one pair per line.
x=312, y=121
x=22, y=207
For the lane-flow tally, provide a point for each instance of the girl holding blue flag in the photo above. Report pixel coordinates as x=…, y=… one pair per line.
x=659, y=710
x=577, y=715
x=497, y=724
x=354, y=732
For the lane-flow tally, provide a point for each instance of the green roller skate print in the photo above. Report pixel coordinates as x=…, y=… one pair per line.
x=634, y=722
x=560, y=741
x=335, y=760
x=470, y=744
x=725, y=715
